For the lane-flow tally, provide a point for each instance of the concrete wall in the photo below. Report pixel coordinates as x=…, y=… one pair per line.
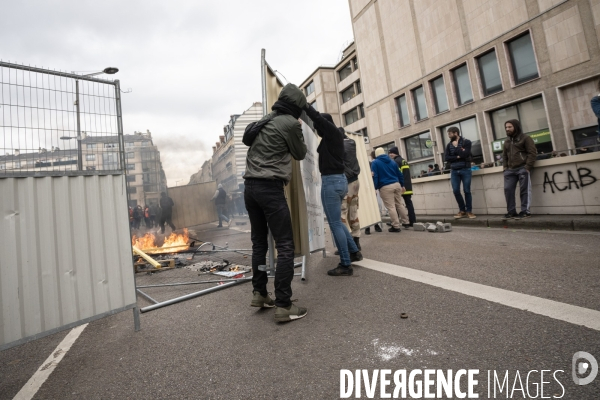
x=552, y=193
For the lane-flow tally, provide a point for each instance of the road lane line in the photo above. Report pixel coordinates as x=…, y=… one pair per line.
x=37, y=380
x=537, y=305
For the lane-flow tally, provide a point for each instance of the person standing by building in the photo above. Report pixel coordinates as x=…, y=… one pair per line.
x=596, y=108
x=458, y=154
x=153, y=213
x=273, y=141
x=147, y=217
x=334, y=188
x=519, y=154
x=220, y=199
x=350, y=202
x=166, y=206
x=394, y=154
x=138, y=214
x=390, y=182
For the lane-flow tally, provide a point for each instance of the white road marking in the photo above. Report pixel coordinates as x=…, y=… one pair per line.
x=37, y=380
x=549, y=308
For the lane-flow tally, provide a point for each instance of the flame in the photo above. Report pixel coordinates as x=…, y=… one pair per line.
x=173, y=243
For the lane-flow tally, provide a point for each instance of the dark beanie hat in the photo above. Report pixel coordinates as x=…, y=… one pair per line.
x=327, y=117
x=394, y=150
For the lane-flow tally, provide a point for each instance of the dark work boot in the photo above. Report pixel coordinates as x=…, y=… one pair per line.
x=377, y=228
x=357, y=241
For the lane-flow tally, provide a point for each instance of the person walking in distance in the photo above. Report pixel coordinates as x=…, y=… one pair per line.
x=220, y=199
x=153, y=212
x=138, y=214
x=519, y=154
x=147, y=217
x=274, y=141
x=166, y=205
x=458, y=154
x=334, y=188
x=407, y=195
x=390, y=182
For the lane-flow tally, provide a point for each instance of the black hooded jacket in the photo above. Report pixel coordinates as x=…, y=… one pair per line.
x=331, y=149
x=351, y=166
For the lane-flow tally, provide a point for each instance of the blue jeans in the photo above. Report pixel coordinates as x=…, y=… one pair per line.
x=221, y=211
x=464, y=175
x=333, y=190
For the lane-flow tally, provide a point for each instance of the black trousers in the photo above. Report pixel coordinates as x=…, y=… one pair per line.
x=268, y=209
x=166, y=217
x=412, y=218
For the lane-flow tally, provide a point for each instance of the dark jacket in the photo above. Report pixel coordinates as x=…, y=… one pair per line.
x=221, y=197
x=331, y=148
x=385, y=172
x=596, y=108
x=405, y=169
x=166, y=205
x=459, y=157
x=270, y=154
x=351, y=167
x=519, y=149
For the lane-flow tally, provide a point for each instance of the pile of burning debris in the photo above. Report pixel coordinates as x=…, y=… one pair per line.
x=214, y=266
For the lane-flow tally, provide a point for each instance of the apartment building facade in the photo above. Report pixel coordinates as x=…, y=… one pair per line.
x=430, y=64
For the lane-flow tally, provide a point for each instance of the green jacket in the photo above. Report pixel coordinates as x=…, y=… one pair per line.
x=270, y=156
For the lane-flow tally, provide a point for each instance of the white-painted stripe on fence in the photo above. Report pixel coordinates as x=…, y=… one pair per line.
x=44, y=371
x=549, y=308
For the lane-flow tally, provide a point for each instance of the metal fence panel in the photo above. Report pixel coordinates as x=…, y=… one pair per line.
x=193, y=204
x=65, y=253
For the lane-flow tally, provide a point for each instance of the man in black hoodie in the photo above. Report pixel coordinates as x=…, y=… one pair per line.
x=458, y=154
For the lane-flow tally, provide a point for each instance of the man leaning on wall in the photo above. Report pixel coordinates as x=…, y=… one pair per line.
x=519, y=154
x=458, y=154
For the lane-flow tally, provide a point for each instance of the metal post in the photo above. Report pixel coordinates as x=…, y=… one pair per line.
x=79, y=155
x=120, y=134
x=136, y=319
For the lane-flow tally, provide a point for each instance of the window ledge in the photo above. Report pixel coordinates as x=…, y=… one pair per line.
x=422, y=120
x=443, y=112
x=466, y=104
x=493, y=94
x=405, y=126
x=526, y=82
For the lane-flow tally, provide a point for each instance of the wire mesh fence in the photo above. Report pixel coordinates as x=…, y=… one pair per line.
x=57, y=123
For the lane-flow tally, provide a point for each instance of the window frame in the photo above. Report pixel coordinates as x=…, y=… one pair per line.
x=422, y=158
x=345, y=90
x=455, y=86
x=510, y=58
x=90, y=157
x=516, y=104
x=349, y=63
x=442, y=129
x=416, y=106
x=480, y=75
x=401, y=123
x=311, y=84
x=434, y=94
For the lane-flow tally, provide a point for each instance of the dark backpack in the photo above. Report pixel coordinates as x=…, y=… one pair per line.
x=253, y=129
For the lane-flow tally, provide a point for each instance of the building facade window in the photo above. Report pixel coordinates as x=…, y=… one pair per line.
x=130, y=178
x=130, y=154
x=522, y=59
x=132, y=190
x=355, y=63
x=110, y=161
x=490, y=73
x=130, y=166
x=534, y=122
x=145, y=143
x=586, y=139
x=314, y=105
x=403, y=110
x=469, y=130
x=439, y=95
x=345, y=71
x=420, y=103
x=129, y=144
x=348, y=94
x=110, y=145
x=90, y=157
x=90, y=146
x=351, y=116
x=462, y=85
x=310, y=88
x=358, y=87
x=419, y=153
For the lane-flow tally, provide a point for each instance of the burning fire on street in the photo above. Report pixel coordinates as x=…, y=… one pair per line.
x=173, y=243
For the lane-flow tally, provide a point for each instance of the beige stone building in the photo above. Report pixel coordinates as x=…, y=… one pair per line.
x=427, y=65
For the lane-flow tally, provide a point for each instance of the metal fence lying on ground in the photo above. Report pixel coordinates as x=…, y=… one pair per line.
x=56, y=123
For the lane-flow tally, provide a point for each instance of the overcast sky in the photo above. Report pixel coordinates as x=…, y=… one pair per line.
x=190, y=64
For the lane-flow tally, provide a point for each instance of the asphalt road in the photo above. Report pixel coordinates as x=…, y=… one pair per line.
x=217, y=347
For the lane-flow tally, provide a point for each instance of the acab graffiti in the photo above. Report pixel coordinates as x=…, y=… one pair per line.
x=585, y=179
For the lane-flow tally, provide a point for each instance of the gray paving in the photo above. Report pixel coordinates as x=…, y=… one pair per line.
x=216, y=347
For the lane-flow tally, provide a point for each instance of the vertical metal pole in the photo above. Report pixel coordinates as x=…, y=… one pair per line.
x=263, y=70
x=136, y=319
x=79, y=152
x=120, y=135
x=303, y=274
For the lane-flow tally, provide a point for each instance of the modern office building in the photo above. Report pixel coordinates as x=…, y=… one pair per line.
x=427, y=65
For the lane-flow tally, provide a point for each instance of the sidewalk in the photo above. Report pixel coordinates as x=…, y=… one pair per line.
x=536, y=222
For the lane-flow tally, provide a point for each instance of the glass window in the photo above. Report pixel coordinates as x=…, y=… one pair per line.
x=130, y=154
x=355, y=63
x=490, y=74
x=362, y=111
x=310, y=88
x=522, y=59
x=420, y=169
x=358, y=87
x=439, y=94
x=17, y=164
x=314, y=105
x=90, y=157
x=110, y=145
x=110, y=161
x=530, y=113
x=145, y=143
x=420, y=104
x=129, y=144
x=403, y=111
x=3, y=166
x=348, y=94
x=586, y=140
x=132, y=190
x=130, y=166
x=130, y=178
x=462, y=85
x=364, y=132
x=351, y=116
x=469, y=130
x=416, y=146
x=90, y=146
x=345, y=71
